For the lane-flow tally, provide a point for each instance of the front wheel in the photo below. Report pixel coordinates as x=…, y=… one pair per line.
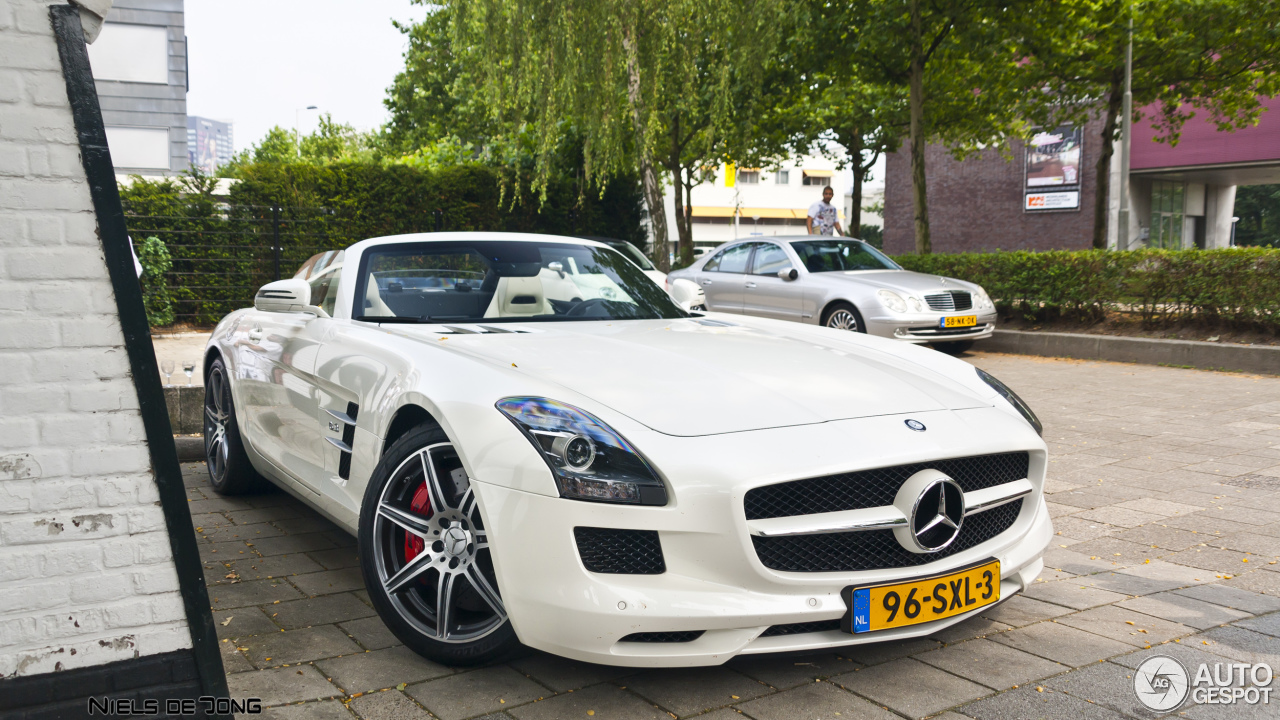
x=424, y=554
x=843, y=316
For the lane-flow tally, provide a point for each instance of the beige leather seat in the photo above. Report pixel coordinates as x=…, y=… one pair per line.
x=373, y=300
x=517, y=296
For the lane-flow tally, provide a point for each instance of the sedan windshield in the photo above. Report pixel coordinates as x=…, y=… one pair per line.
x=633, y=254
x=841, y=255
x=504, y=281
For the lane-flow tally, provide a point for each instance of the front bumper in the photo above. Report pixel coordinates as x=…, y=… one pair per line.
x=926, y=327
x=714, y=582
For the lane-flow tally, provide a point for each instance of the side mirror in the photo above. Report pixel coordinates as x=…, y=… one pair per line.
x=556, y=267
x=290, y=295
x=788, y=273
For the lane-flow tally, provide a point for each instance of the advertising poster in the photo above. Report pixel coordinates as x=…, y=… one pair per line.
x=1053, y=169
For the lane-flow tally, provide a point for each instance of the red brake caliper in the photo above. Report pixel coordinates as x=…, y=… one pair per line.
x=421, y=504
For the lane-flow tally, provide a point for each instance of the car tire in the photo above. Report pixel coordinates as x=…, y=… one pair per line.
x=953, y=348
x=422, y=538
x=843, y=316
x=230, y=472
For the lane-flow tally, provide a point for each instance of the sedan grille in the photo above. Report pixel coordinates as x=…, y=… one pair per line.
x=949, y=300
x=877, y=488
x=874, y=549
x=620, y=552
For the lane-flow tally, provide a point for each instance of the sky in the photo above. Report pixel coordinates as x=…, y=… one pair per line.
x=256, y=62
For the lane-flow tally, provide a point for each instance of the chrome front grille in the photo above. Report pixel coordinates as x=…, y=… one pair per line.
x=949, y=300
x=873, y=488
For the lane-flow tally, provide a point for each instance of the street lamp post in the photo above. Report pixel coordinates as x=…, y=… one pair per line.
x=1122, y=232
x=297, y=128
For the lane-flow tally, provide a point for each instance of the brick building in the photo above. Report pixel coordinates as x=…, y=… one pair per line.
x=101, y=589
x=1181, y=196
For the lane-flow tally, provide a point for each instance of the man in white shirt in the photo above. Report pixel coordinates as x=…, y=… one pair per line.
x=823, y=217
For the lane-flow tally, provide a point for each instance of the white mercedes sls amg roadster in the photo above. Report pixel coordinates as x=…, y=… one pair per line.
x=534, y=444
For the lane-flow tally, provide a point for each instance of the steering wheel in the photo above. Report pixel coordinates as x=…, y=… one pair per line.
x=583, y=308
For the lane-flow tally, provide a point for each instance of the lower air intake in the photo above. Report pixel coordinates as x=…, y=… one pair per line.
x=620, y=552
x=801, y=628
x=665, y=637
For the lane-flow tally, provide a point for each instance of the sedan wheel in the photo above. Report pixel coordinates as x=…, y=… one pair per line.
x=425, y=554
x=843, y=316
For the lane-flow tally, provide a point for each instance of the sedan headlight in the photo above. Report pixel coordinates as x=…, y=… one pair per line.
x=982, y=301
x=914, y=302
x=589, y=460
x=1017, y=402
x=892, y=300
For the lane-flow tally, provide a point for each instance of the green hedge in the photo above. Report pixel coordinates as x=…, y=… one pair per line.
x=1240, y=286
x=222, y=252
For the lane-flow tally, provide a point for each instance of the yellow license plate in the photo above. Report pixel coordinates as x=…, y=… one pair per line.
x=881, y=607
x=960, y=321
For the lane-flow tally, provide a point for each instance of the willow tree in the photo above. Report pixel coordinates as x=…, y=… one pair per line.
x=657, y=83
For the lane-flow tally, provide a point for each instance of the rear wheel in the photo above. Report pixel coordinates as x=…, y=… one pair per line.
x=424, y=554
x=843, y=316
x=230, y=471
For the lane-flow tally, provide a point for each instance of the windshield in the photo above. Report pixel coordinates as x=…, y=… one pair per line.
x=841, y=255
x=633, y=254
x=504, y=281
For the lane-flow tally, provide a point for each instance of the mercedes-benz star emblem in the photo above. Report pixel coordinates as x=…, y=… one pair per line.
x=915, y=425
x=938, y=515
x=455, y=541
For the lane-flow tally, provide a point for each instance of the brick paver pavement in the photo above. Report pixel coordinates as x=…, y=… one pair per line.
x=1165, y=488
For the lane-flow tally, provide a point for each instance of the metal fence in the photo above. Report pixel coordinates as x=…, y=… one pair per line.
x=223, y=253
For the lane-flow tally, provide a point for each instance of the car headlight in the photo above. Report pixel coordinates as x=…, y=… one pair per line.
x=1018, y=403
x=982, y=300
x=914, y=302
x=589, y=460
x=892, y=300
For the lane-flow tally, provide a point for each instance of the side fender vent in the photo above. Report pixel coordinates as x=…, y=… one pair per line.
x=348, y=420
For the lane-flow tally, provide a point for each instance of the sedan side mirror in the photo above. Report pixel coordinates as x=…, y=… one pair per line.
x=788, y=273
x=290, y=295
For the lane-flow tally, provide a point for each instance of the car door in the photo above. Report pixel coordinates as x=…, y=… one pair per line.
x=767, y=295
x=724, y=276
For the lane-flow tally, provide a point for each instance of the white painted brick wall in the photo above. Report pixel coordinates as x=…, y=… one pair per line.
x=86, y=574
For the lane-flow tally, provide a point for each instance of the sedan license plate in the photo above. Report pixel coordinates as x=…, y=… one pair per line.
x=881, y=607
x=960, y=321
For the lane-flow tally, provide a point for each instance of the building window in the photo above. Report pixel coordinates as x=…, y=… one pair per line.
x=144, y=148
x=131, y=53
x=749, y=176
x=783, y=178
x=820, y=178
x=1167, y=208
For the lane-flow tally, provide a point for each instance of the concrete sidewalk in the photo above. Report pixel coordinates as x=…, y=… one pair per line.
x=1165, y=486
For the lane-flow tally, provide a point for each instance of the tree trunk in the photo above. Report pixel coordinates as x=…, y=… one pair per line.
x=1102, y=172
x=854, y=220
x=648, y=172
x=923, y=244
x=684, y=241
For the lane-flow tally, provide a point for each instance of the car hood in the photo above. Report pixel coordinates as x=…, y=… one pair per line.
x=703, y=377
x=898, y=280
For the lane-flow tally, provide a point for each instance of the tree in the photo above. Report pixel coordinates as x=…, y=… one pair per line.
x=959, y=66
x=1215, y=56
x=654, y=82
x=334, y=142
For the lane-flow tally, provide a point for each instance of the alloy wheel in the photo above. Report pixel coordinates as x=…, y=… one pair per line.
x=431, y=550
x=217, y=404
x=842, y=320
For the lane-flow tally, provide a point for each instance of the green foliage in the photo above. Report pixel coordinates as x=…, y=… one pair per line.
x=1258, y=207
x=873, y=235
x=222, y=253
x=155, y=261
x=1238, y=286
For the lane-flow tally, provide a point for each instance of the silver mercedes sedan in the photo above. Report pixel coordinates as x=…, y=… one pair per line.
x=841, y=283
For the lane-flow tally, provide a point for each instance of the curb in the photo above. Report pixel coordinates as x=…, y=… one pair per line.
x=1261, y=359
x=190, y=449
